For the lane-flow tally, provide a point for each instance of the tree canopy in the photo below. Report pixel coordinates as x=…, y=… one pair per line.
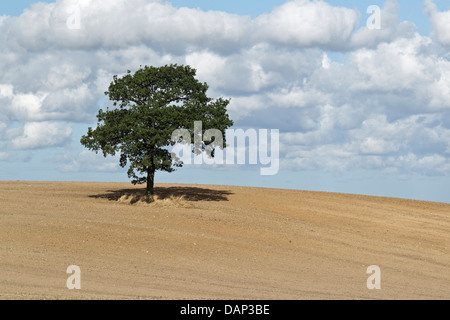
x=147, y=107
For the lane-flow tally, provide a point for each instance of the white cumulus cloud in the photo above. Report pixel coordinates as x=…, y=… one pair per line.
x=305, y=23
x=41, y=135
x=86, y=161
x=440, y=22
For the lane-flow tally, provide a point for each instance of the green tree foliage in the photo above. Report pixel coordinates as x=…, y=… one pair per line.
x=148, y=106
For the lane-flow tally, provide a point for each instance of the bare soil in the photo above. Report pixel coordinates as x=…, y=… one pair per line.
x=218, y=242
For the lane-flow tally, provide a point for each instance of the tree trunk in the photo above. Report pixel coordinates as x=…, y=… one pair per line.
x=150, y=182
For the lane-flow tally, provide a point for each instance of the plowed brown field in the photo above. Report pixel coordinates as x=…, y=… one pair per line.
x=220, y=242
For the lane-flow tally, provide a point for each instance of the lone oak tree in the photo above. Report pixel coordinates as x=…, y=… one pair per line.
x=149, y=105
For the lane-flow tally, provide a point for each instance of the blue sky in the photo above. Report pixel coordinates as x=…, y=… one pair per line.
x=359, y=111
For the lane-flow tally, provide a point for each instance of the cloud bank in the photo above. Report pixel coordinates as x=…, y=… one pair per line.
x=385, y=106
